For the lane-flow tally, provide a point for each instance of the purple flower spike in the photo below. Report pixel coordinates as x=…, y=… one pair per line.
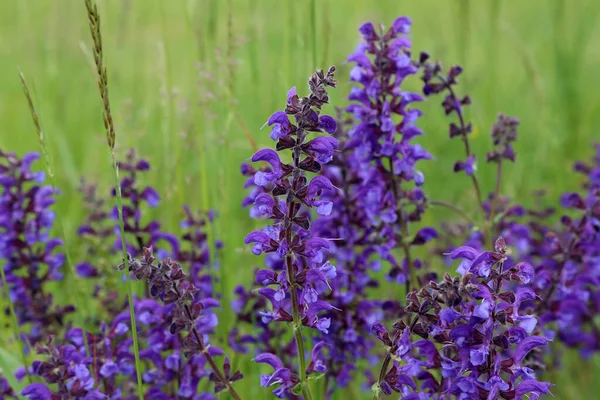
x=285, y=193
x=462, y=327
x=29, y=255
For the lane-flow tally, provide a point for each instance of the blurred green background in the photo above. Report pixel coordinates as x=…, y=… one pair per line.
x=192, y=81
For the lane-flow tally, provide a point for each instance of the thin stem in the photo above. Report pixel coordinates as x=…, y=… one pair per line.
x=204, y=351
x=289, y=260
x=15, y=323
x=454, y=208
x=297, y=324
x=465, y=140
x=403, y=228
x=496, y=192
x=102, y=81
x=136, y=347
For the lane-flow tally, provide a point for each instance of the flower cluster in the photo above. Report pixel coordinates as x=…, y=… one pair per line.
x=27, y=250
x=435, y=82
x=67, y=370
x=305, y=275
x=169, y=284
x=504, y=133
x=384, y=148
x=472, y=330
x=344, y=191
x=161, y=329
x=567, y=259
x=348, y=340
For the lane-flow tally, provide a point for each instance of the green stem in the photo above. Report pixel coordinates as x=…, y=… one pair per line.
x=412, y=274
x=297, y=321
x=465, y=140
x=136, y=347
x=297, y=328
x=388, y=357
x=16, y=327
x=454, y=208
x=496, y=194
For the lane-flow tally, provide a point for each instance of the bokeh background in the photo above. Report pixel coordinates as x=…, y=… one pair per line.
x=192, y=81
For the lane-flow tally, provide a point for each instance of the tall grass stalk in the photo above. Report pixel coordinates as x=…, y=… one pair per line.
x=15, y=324
x=77, y=295
x=94, y=21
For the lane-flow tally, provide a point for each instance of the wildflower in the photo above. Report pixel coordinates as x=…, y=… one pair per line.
x=472, y=330
x=27, y=251
x=306, y=274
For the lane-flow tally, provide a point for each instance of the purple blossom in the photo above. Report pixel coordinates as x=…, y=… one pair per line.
x=386, y=157
x=468, y=332
x=504, y=133
x=27, y=251
x=306, y=274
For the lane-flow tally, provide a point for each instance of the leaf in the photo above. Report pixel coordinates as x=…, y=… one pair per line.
x=297, y=390
x=316, y=376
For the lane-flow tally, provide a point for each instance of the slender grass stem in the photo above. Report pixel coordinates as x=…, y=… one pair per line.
x=136, y=347
x=77, y=295
x=102, y=77
x=454, y=208
x=15, y=324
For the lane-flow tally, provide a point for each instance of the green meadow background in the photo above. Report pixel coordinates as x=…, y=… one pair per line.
x=192, y=81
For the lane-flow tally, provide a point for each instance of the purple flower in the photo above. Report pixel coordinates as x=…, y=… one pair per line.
x=468, y=166
x=504, y=133
x=465, y=333
x=305, y=275
x=282, y=377
x=28, y=253
x=385, y=158
x=37, y=391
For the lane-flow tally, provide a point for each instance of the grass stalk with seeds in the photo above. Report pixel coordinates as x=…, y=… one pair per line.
x=94, y=21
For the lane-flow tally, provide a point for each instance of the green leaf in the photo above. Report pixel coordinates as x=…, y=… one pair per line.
x=297, y=390
x=316, y=376
x=376, y=390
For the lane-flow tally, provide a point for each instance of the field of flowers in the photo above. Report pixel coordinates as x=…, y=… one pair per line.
x=316, y=199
